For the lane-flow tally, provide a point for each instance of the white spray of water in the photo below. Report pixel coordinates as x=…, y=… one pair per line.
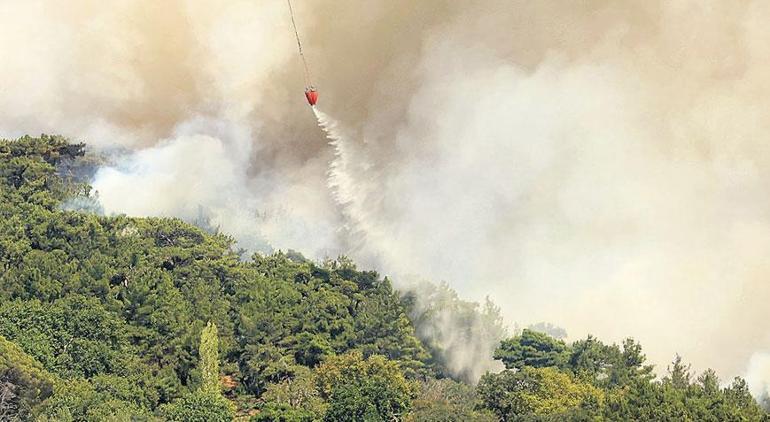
x=351, y=181
x=464, y=334
x=340, y=181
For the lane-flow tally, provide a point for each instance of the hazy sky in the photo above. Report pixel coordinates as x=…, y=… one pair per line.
x=600, y=165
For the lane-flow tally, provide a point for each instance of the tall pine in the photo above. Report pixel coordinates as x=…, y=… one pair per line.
x=209, y=359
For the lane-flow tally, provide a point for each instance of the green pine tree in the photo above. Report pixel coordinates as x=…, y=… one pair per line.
x=209, y=359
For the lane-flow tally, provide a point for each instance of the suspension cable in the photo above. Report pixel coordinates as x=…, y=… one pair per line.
x=308, y=82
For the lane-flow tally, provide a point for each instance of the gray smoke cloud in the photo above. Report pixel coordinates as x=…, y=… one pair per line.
x=599, y=165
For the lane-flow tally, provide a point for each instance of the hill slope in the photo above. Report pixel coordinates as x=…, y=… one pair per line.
x=101, y=319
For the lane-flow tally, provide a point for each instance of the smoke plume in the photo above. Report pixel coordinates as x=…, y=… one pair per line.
x=600, y=165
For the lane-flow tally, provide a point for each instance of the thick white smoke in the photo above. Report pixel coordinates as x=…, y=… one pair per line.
x=600, y=165
x=200, y=174
x=758, y=377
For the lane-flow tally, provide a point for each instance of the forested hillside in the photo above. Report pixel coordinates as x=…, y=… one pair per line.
x=117, y=318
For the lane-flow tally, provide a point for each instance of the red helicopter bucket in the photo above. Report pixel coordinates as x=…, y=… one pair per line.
x=312, y=96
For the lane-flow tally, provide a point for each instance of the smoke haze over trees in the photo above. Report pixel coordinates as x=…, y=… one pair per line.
x=153, y=319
